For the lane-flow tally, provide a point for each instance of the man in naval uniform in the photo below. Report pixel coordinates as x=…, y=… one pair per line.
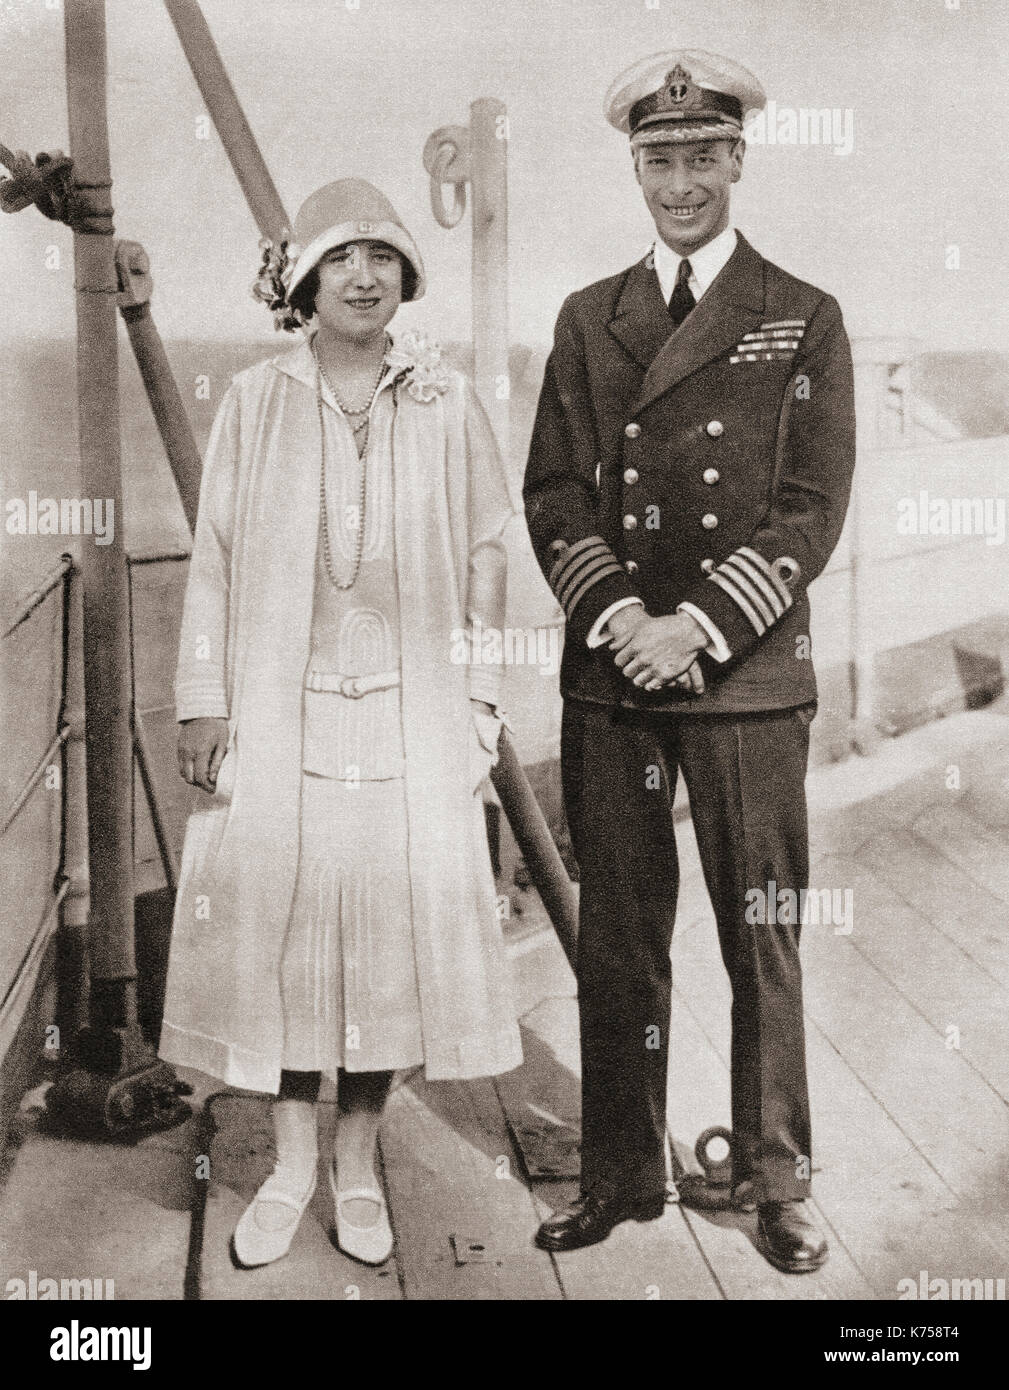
x=688, y=478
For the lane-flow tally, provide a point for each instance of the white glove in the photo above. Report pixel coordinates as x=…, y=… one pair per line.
x=485, y=732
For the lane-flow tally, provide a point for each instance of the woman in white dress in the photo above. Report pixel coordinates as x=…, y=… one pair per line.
x=336, y=909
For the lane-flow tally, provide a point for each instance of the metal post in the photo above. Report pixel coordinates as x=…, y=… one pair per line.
x=108, y=675
x=159, y=381
x=169, y=859
x=874, y=359
x=532, y=834
x=489, y=179
x=73, y=989
x=228, y=117
x=478, y=155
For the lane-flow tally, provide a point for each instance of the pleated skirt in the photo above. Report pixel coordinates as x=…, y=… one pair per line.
x=348, y=971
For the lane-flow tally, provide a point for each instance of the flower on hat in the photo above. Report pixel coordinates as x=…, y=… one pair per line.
x=292, y=251
x=420, y=361
x=270, y=285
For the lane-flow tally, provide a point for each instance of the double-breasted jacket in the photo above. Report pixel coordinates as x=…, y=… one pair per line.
x=708, y=465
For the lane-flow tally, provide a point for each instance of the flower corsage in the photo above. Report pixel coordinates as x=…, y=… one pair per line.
x=420, y=362
x=270, y=286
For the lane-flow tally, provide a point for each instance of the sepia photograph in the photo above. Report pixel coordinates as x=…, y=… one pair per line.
x=504, y=623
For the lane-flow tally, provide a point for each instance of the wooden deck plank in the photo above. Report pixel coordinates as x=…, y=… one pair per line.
x=878, y=1195
x=693, y=905
x=951, y=1114
x=966, y=842
x=893, y=1212
x=699, y=1097
x=241, y=1156
x=842, y=827
x=451, y=1171
x=74, y=1209
x=984, y=785
x=939, y=979
x=639, y=1260
x=842, y=823
x=905, y=773
x=967, y=914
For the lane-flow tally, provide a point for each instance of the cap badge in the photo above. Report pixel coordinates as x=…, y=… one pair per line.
x=680, y=92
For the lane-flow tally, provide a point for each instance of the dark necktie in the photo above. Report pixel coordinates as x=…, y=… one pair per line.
x=681, y=301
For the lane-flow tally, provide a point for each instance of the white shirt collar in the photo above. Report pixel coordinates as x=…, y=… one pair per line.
x=705, y=262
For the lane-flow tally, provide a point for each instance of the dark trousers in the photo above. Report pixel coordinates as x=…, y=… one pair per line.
x=745, y=776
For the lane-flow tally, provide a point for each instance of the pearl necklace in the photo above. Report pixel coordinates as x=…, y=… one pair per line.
x=365, y=410
x=349, y=409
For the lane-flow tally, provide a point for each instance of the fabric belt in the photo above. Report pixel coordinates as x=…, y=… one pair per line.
x=353, y=687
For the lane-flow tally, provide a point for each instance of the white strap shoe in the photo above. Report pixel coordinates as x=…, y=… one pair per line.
x=371, y=1244
x=263, y=1235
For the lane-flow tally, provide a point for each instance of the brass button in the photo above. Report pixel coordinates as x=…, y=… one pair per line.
x=558, y=547
x=709, y=521
x=630, y=522
x=786, y=569
x=715, y=428
x=707, y=566
x=631, y=566
x=632, y=430
x=710, y=476
x=630, y=476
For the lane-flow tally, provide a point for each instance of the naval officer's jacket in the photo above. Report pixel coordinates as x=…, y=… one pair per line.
x=707, y=467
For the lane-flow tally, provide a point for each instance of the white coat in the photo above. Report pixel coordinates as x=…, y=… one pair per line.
x=243, y=652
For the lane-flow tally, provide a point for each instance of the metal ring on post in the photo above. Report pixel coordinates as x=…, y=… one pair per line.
x=446, y=159
x=443, y=160
x=718, y=1171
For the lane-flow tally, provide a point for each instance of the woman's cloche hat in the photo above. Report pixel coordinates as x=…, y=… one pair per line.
x=347, y=210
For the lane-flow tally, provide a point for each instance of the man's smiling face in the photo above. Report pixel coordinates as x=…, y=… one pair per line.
x=686, y=186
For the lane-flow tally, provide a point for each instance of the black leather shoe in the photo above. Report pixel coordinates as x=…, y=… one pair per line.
x=590, y=1219
x=787, y=1237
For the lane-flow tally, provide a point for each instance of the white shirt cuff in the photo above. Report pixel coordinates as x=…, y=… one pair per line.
x=598, y=636
x=718, y=648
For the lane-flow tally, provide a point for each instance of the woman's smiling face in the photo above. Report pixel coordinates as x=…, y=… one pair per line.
x=360, y=289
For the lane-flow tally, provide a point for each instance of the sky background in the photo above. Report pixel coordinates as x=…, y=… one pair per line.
x=332, y=91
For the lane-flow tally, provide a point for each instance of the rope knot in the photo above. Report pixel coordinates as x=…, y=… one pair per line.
x=44, y=182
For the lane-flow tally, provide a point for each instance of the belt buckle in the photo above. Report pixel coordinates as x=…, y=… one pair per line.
x=350, y=687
